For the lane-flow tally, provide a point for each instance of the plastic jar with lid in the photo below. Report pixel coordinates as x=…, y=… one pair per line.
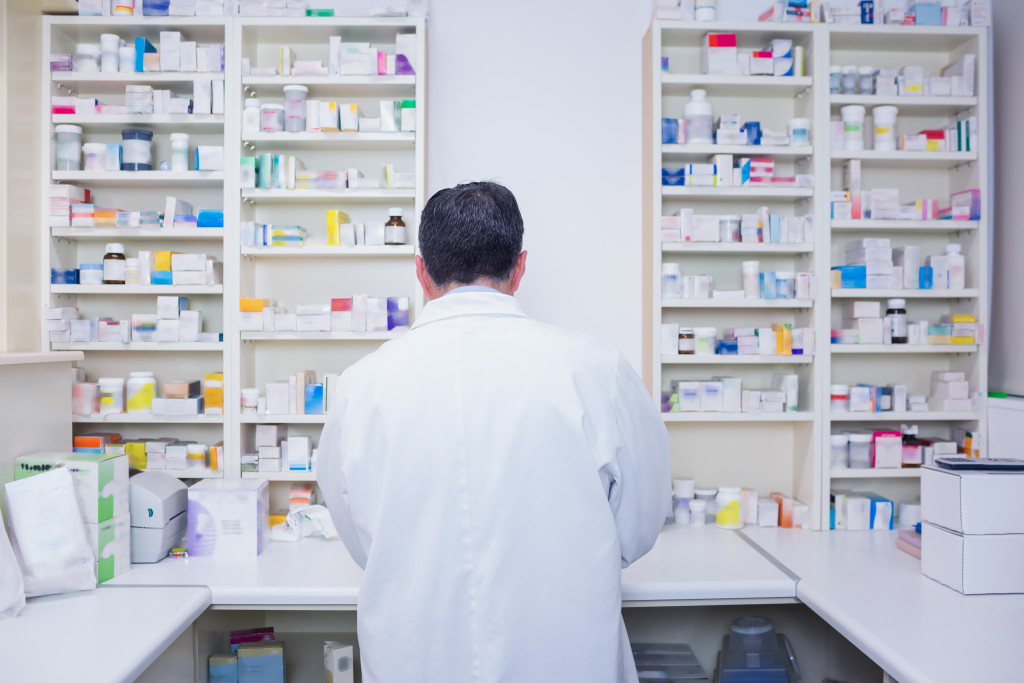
x=729, y=228
x=87, y=58
x=179, y=151
x=835, y=79
x=752, y=279
x=799, y=132
x=394, y=229
x=295, y=108
x=705, y=10
x=141, y=391
x=670, y=281
x=95, y=155
x=136, y=149
x=729, y=508
x=785, y=284
x=90, y=273
x=196, y=454
x=853, y=127
x=110, y=43
x=704, y=342
x=681, y=509
x=272, y=118
x=114, y=265
x=126, y=59
x=111, y=395
x=885, y=127
x=840, y=395
x=849, y=80
x=707, y=496
x=687, y=342
x=860, y=451
x=840, y=451
x=251, y=115
x=250, y=400
x=866, y=80
x=698, y=511
x=68, y=147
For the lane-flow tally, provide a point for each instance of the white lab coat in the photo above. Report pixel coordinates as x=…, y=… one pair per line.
x=492, y=475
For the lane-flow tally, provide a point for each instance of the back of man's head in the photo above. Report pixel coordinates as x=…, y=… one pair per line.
x=469, y=233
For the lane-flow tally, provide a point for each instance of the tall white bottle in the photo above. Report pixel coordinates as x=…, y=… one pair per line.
x=957, y=278
x=698, y=119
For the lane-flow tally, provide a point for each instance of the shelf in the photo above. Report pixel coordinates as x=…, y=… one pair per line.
x=193, y=474
x=737, y=303
x=137, y=346
x=318, y=141
x=739, y=417
x=915, y=226
x=904, y=293
x=903, y=348
x=744, y=191
x=697, y=359
x=362, y=196
x=139, y=233
x=119, y=22
x=164, y=123
x=883, y=473
x=897, y=159
x=895, y=38
x=739, y=150
x=890, y=416
x=908, y=104
x=142, y=178
x=354, y=86
x=145, y=418
x=734, y=248
x=283, y=419
x=130, y=77
x=298, y=475
x=322, y=250
x=319, y=336
x=743, y=86
x=136, y=289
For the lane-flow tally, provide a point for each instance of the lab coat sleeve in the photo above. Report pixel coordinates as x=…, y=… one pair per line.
x=641, y=490
x=330, y=477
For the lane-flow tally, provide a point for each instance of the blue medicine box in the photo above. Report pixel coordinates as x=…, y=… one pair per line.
x=852, y=277
x=669, y=131
x=927, y=13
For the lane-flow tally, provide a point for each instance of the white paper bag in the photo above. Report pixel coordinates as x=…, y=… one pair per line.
x=12, y=586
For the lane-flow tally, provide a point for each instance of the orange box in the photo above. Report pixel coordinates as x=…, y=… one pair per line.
x=785, y=509
x=96, y=440
x=251, y=305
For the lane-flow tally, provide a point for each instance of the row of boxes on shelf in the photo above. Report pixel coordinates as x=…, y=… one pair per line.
x=724, y=171
x=101, y=493
x=950, y=393
x=720, y=56
x=733, y=507
x=207, y=98
x=70, y=207
x=161, y=453
x=863, y=323
x=276, y=451
x=967, y=13
x=340, y=232
x=256, y=656
x=854, y=202
x=955, y=79
x=357, y=313
x=298, y=115
x=301, y=394
x=694, y=129
x=866, y=511
x=727, y=395
x=776, y=284
x=873, y=263
x=156, y=8
x=344, y=58
x=781, y=339
x=147, y=268
x=172, y=323
x=107, y=395
x=892, y=449
x=286, y=172
x=848, y=134
x=761, y=227
x=113, y=54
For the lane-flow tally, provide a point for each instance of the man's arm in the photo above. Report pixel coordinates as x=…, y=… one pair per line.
x=641, y=493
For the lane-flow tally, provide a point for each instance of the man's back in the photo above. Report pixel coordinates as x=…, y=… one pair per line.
x=486, y=497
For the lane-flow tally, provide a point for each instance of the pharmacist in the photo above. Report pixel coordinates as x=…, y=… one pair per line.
x=491, y=474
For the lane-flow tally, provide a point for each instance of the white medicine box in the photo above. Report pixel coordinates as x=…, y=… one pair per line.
x=228, y=517
x=973, y=563
x=973, y=502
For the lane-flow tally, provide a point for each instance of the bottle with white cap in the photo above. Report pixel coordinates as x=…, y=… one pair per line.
x=955, y=261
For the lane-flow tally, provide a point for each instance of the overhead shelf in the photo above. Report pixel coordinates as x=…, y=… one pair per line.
x=698, y=359
x=898, y=159
x=103, y=234
x=283, y=419
x=867, y=224
x=136, y=289
x=323, y=250
x=890, y=416
x=737, y=303
x=746, y=191
x=903, y=348
x=145, y=418
x=137, y=346
x=739, y=417
x=142, y=178
x=904, y=293
x=319, y=141
x=319, y=336
x=736, y=150
x=877, y=473
x=362, y=196
x=745, y=86
x=734, y=248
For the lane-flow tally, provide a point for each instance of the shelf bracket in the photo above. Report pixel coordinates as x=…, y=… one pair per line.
x=804, y=92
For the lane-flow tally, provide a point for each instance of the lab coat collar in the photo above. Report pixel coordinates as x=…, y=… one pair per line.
x=465, y=304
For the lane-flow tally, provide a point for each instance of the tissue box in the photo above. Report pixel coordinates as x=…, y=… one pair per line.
x=973, y=564
x=973, y=502
x=110, y=542
x=228, y=517
x=101, y=480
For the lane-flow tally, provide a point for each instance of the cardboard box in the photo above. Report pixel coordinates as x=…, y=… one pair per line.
x=101, y=480
x=973, y=563
x=973, y=502
x=228, y=517
x=110, y=542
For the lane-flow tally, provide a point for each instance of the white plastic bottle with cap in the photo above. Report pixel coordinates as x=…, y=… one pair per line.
x=698, y=119
x=955, y=260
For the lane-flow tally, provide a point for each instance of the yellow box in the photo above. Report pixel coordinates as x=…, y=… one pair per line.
x=162, y=260
x=783, y=339
x=335, y=218
x=216, y=451
x=961, y=340
x=962, y=318
x=251, y=305
x=136, y=452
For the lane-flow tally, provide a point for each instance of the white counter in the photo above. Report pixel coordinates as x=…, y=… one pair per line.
x=917, y=630
x=105, y=635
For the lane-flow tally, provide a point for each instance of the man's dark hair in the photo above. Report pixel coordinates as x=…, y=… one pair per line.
x=470, y=231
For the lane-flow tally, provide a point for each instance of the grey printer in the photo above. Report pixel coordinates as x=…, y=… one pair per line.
x=157, y=504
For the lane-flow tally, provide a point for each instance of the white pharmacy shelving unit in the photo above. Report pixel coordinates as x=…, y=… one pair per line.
x=790, y=453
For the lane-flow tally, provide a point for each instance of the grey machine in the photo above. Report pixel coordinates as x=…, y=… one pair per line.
x=157, y=504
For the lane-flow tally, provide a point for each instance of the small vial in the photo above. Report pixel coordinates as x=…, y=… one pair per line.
x=687, y=341
x=835, y=80
x=866, y=80
x=896, y=314
x=849, y=80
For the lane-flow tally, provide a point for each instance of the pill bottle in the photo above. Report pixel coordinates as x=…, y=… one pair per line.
x=394, y=229
x=752, y=279
x=272, y=118
x=799, y=132
x=87, y=58
x=853, y=127
x=687, y=341
x=141, y=390
x=955, y=261
x=196, y=454
x=705, y=10
x=670, y=276
x=785, y=284
x=728, y=508
x=683, y=488
x=250, y=400
x=698, y=511
x=681, y=510
x=698, y=119
x=896, y=315
x=885, y=127
x=729, y=228
x=251, y=115
x=69, y=147
x=860, y=451
x=114, y=266
x=95, y=154
x=295, y=108
x=131, y=271
x=835, y=79
x=126, y=59
x=705, y=340
x=708, y=497
x=179, y=151
x=137, y=149
x=840, y=395
x=840, y=451
x=866, y=80
x=110, y=43
x=849, y=80
x=111, y=395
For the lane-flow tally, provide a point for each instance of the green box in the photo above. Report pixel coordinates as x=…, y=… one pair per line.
x=101, y=480
x=110, y=544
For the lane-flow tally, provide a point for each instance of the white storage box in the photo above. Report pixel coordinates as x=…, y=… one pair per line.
x=973, y=502
x=973, y=564
x=228, y=517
